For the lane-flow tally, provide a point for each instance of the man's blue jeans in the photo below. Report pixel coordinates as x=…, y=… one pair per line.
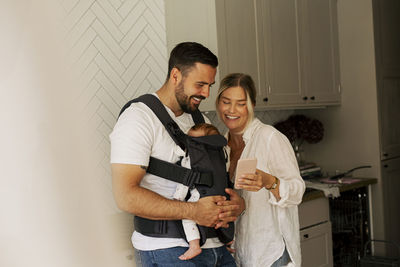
x=169, y=257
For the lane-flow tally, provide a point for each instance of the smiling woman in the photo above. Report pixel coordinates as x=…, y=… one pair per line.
x=268, y=231
x=236, y=95
x=232, y=109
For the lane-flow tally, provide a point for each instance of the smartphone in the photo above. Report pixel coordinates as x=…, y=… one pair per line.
x=245, y=166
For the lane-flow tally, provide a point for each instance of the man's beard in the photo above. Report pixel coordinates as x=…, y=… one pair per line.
x=184, y=100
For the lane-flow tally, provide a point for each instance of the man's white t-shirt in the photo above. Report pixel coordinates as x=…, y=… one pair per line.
x=137, y=135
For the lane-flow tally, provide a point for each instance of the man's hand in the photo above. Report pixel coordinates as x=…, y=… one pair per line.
x=232, y=208
x=206, y=211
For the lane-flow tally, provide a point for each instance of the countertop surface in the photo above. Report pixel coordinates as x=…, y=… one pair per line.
x=348, y=183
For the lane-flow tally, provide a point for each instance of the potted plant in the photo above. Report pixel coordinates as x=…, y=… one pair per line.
x=300, y=128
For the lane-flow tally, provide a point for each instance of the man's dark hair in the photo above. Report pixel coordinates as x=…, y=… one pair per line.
x=185, y=55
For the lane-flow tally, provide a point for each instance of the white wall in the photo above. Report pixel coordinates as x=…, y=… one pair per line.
x=351, y=130
x=49, y=199
x=66, y=68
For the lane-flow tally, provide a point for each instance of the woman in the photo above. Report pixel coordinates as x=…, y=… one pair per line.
x=267, y=233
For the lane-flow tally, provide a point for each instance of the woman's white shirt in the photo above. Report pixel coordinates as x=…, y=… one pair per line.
x=267, y=224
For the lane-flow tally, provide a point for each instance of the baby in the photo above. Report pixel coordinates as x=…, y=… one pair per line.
x=189, y=226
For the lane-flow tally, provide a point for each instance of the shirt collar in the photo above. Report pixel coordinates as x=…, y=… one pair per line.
x=249, y=131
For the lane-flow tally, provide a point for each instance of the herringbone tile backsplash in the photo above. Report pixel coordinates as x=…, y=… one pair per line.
x=118, y=51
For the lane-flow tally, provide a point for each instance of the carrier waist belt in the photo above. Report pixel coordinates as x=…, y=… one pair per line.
x=164, y=228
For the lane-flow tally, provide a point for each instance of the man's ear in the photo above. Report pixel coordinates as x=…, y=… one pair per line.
x=175, y=75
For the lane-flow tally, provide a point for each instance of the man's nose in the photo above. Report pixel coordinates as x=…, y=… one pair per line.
x=205, y=91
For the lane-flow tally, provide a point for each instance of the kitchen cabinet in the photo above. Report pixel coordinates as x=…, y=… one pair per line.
x=387, y=38
x=315, y=233
x=279, y=53
x=391, y=186
x=290, y=48
x=389, y=109
x=299, y=53
x=387, y=42
x=387, y=53
x=239, y=40
x=316, y=245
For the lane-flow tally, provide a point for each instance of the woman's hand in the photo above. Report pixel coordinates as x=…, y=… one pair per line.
x=235, y=206
x=254, y=182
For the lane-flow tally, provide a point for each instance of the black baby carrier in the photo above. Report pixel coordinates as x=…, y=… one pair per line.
x=208, y=173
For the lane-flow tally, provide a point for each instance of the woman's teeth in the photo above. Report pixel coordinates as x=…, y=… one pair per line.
x=231, y=117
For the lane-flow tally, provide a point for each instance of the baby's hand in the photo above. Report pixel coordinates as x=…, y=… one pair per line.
x=229, y=247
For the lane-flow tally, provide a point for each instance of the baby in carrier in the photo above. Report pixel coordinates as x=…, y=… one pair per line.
x=189, y=226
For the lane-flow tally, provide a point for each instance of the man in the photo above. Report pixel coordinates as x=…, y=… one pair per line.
x=139, y=134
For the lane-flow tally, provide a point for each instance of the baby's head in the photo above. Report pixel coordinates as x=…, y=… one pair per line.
x=203, y=129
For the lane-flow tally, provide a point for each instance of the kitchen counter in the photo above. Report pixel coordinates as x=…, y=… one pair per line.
x=311, y=193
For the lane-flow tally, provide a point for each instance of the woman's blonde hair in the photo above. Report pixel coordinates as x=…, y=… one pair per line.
x=245, y=82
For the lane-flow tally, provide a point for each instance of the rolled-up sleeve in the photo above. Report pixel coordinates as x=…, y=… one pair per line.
x=283, y=165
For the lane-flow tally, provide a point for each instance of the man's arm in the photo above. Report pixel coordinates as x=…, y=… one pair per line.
x=133, y=198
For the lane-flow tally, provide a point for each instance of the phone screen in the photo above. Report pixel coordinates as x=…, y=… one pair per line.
x=245, y=166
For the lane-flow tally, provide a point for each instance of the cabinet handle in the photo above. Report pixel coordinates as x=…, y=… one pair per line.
x=312, y=98
x=265, y=99
x=385, y=166
x=385, y=154
x=305, y=98
x=305, y=236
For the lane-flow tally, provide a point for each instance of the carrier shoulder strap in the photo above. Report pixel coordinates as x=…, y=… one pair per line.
x=163, y=168
x=170, y=125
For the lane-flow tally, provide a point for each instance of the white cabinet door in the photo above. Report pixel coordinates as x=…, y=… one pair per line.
x=238, y=38
x=391, y=185
x=313, y=212
x=298, y=53
x=319, y=51
x=279, y=50
x=316, y=246
x=315, y=233
x=389, y=111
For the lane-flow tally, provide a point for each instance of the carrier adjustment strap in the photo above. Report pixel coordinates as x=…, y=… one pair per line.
x=197, y=117
x=179, y=174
